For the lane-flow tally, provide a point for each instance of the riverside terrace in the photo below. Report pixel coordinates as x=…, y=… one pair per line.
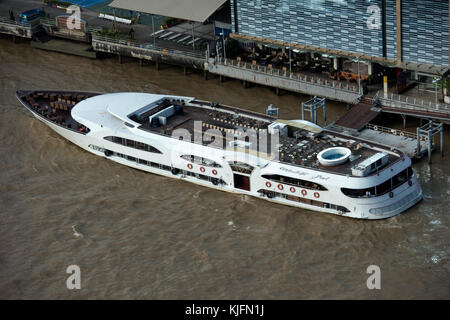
x=252, y=133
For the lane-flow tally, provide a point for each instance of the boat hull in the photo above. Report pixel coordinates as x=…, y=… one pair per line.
x=400, y=199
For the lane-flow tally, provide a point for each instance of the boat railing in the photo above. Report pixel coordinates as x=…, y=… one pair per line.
x=147, y=45
x=286, y=74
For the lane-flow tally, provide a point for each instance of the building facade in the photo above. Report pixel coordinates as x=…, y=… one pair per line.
x=366, y=27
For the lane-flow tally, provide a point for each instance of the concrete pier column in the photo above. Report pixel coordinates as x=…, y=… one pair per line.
x=141, y=62
x=442, y=139
x=336, y=63
x=404, y=120
x=157, y=65
x=277, y=91
x=14, y=39
x=185, y=71
x=120, y=59
x=385, y=86
x=221, y=78
x=205, y=74
x=370, y=68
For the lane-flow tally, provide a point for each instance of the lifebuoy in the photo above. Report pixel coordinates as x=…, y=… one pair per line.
x=280, y=186
x=402, y=133
x=304, y=192
x=268, y=184
x=391, y=194
x=214, y=172
x=189, y=165
x=202, y=169
x=175, y=171
x=375, y=128
x=270, y=195
x=292, y=189
x=316, y=195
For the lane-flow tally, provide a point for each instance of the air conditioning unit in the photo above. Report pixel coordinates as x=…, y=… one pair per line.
x=370, y=165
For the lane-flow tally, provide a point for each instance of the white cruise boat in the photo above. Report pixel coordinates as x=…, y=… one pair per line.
x=290, y=162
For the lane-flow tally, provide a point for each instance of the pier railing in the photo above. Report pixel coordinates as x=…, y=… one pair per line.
x=411, y=103
x=391, y=131
x=336, y=85
x=147, y=45
x=13, y=22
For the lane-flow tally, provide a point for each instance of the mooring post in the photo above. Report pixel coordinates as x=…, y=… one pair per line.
x=429, y=146
x=418, y=142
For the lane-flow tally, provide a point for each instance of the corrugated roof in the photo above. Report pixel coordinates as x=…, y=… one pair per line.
x=193, y=10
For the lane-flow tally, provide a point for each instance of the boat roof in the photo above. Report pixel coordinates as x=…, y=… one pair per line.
x=104, y=110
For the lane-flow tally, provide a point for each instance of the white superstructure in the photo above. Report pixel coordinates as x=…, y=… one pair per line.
x=179, y=137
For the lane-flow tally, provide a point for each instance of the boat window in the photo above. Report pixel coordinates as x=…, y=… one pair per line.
x=201, y=161
x=296, y=182
x=241, y=167
x=382, y=188
x=304, y=200
x=132, y=144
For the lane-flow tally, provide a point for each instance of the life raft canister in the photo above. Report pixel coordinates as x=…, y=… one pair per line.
x=268, y=184
x=304, y=192
x=189, y=165
x=292, y=189
x=316, y=195
x=280, y=186
x=214, y=172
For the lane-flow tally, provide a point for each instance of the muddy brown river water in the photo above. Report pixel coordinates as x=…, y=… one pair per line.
x=151, y=237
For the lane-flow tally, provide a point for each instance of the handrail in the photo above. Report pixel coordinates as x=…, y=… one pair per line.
x=17, y=23
x=391, y=131
x=146, y=45
x=336, y=85
x=412, y=103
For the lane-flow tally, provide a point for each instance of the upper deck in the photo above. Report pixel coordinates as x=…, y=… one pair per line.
x=298, y=143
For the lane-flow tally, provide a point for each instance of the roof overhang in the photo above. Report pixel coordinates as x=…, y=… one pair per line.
x=192, y=10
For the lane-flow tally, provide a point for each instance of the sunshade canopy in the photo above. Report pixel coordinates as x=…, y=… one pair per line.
x=193, y=10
